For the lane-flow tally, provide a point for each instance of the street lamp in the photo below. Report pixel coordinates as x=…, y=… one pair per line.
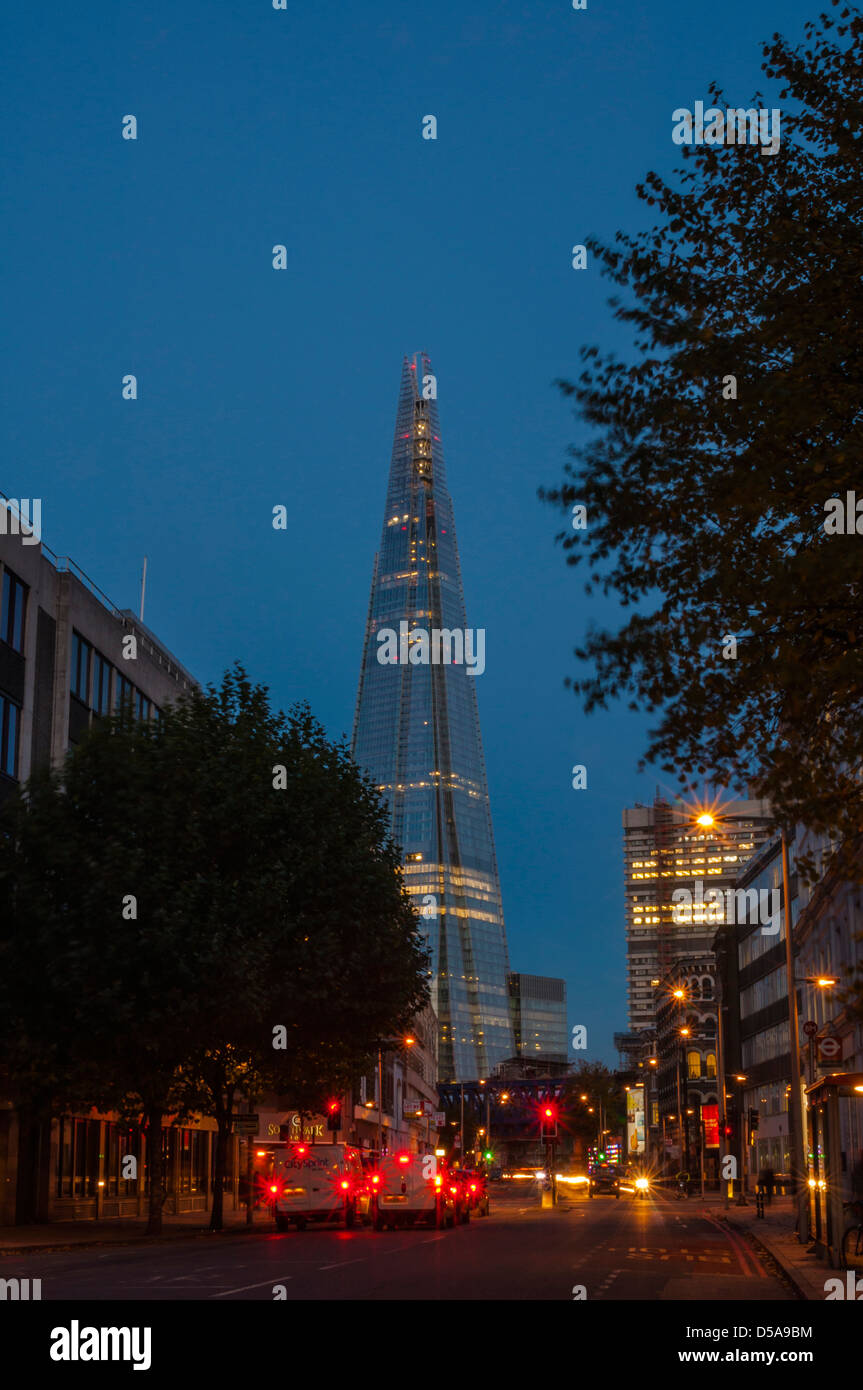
x=798, y=1143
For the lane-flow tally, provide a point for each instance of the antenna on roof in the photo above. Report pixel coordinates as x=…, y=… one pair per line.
x=143, y=588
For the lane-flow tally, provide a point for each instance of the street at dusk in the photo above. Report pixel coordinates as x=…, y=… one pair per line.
x=617, y=1250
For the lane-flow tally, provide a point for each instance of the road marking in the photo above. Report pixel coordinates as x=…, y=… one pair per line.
x=341, y=1264
x=276, y=1279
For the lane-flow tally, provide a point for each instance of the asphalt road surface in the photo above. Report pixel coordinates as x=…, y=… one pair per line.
x=614, y=1249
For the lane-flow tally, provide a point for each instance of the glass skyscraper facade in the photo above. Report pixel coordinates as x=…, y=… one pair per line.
x=417, y=732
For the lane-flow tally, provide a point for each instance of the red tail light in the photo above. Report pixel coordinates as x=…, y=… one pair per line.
x=345, y=1185
x=454, y=1191
x=274, y=1187
x=375, y=1179
x=473, y=1187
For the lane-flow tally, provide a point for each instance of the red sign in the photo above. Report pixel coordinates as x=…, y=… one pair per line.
x=710, y=1116
x=829, y=1049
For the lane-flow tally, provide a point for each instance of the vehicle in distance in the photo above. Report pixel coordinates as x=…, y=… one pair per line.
x=410, y=1189
x=477, y=1191
x=604, y=1180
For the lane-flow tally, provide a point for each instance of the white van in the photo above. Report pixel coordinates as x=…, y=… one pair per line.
x=316, y=1182
x=411, y=1188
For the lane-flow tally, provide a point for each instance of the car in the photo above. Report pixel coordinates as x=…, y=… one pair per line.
x=477, y=1190
x=603, y=1179
x=410, y=1189
x=460, y=1190
x=315, y=1182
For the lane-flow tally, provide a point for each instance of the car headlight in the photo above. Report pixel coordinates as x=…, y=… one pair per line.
x=642, y=1184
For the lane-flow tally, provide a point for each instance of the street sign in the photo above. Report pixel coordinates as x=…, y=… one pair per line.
x=829, y=1049
x=810, y=1029
x=440, y=1119
x=246, y=1124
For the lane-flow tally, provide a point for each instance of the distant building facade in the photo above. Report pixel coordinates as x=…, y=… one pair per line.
x=538, y=1011
x=666, y=852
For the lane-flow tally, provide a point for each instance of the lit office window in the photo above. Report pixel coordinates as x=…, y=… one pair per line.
x=9, y=713
x=14, y=598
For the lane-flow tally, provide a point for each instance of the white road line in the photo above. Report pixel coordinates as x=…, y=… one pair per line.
x=342, y=1263
x=276, y=1279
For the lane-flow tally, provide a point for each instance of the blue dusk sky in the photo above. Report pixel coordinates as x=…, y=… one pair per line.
x=257, y=387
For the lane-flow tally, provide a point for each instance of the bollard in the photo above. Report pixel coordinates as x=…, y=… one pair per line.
x=759, y=1202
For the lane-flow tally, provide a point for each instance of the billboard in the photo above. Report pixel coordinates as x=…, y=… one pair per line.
x=710, y=1116
x=635, y=1121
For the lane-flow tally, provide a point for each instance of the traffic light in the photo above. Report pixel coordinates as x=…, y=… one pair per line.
x=548, y=1121
x=753, y=1121
x=334, y=1115
x=732, y=1123
x=488, y=1155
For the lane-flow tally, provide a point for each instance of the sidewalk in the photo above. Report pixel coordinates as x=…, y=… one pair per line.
x=69, y=1235
x=775, y=1232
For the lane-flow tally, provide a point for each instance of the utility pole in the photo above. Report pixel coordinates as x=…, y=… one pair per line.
x=798, y=1131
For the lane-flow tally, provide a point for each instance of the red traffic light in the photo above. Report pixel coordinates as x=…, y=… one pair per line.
x=333, y=1106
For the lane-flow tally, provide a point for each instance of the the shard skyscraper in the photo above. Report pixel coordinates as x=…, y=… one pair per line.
x=416, y=731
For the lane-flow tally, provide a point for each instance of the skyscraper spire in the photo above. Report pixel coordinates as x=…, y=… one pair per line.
x=416, y=730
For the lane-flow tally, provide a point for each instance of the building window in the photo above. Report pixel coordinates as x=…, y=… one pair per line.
x=82, y=656
x=125, y=694
x=121, y=1142
x=710, y=1063
x=693, y=1065
x=101, y=685
x=9, y=713
x=78, y=1158
x=12, y=611
x=142, y=706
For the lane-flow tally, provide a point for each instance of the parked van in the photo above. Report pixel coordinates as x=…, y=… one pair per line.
x=410, y=1189
x=316, y=1182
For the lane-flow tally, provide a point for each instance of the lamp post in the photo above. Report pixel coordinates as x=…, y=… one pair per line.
x=798, y=1149
x=744, y=1139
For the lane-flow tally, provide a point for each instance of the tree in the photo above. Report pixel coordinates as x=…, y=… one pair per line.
x=719, y=447
x=189, y=885
x=599, y=1085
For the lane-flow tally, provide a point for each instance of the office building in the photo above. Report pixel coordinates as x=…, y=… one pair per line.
x=674, y=869
x=417, y=732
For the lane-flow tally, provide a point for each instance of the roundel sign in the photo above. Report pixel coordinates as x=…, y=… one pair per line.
x=829, y=1049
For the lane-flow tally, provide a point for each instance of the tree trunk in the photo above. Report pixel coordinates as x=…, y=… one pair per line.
x=154, y=1169
x=224, y=1119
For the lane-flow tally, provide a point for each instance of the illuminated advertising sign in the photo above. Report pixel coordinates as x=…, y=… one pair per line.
x=635, y=1138
x=710, y=1116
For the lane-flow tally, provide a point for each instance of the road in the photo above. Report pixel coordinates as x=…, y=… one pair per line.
x=659, y=1249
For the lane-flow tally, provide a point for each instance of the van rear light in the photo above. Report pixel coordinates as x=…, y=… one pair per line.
x=345, y=1185
x=274, y=1187
x=473, y=1187
x=438, y=1182
x=454, y=1191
